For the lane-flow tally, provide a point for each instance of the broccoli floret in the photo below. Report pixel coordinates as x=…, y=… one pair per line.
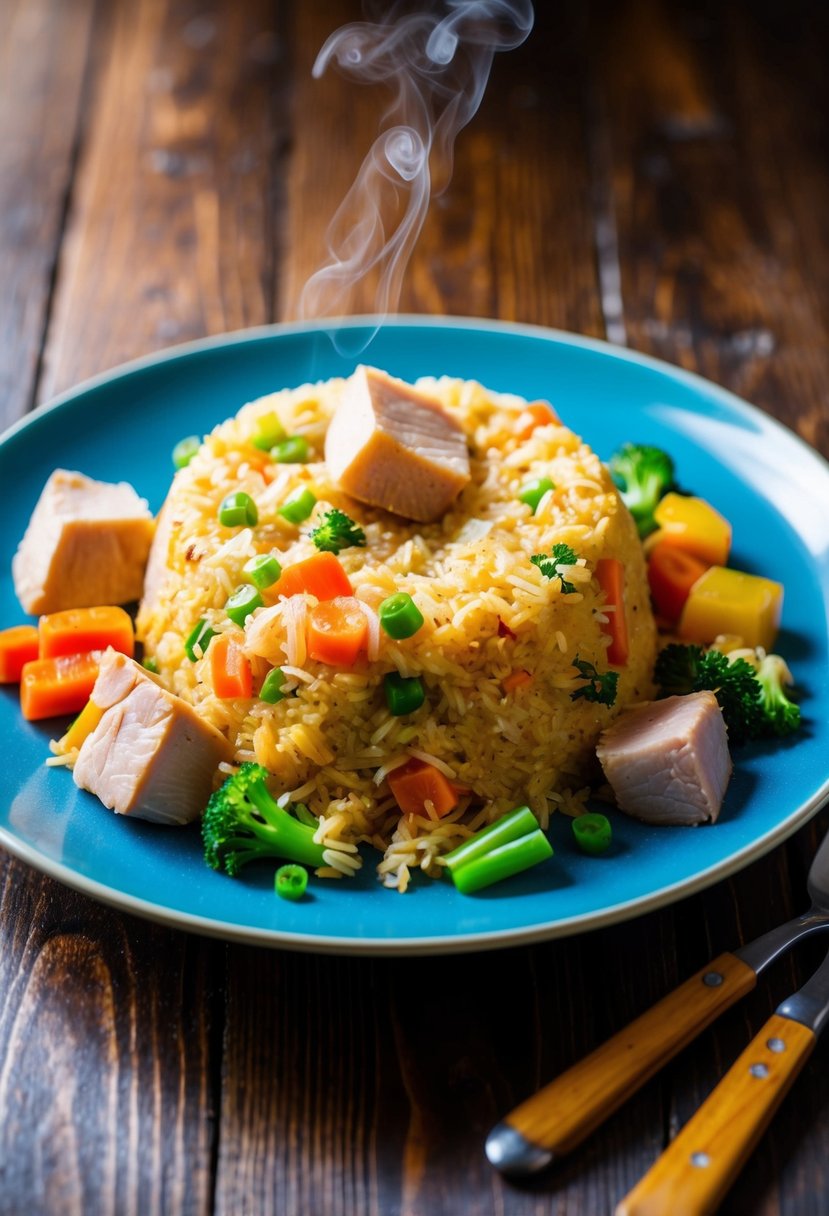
x=600, y=687
x=644, y=475
x=337, y=531
x=781, y=715
x=560, y=555
x=683, y=669
x=242, y=822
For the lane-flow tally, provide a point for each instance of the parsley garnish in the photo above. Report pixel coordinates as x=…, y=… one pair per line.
x=600, y=687
x=560, y=555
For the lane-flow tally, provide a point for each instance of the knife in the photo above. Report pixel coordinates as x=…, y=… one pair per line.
x=701, y=1162
x=555, y=1120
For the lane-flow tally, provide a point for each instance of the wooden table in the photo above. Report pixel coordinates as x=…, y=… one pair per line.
x=652, y=172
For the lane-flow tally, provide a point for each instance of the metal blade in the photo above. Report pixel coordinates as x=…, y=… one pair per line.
x=818, y=884
x=810, y=1004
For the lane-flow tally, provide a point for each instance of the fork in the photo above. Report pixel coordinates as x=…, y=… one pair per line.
x=552, y=1122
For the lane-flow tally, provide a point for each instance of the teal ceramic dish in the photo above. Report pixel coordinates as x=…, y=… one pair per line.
x=771, y=486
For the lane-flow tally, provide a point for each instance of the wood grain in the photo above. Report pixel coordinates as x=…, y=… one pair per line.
x=43, y=54
x=107, y=1032
x=693, y=1175
x=652, y=170
x=170, y=235
x=718, y=172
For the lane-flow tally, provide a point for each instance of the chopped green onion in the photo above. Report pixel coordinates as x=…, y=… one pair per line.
x=298, y=506
x=593, y=833
x=196, y=645
x=185, y=450
x=400, y=616
x=262, y=571
x=271, y=690
x=403, y=696
x=293, y=450
x=242, y=603
x=269, y=430
x=291, y=882
x=305, y=816
x=238, y=508
x=533, y=492
x=502, y=862
x=150, y=664
x=517, y=823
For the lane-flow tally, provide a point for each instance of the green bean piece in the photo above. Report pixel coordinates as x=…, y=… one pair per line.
x=291, y=882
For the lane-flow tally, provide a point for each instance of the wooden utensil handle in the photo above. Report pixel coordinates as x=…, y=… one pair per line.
x=561, y=1115
x=694, y=1173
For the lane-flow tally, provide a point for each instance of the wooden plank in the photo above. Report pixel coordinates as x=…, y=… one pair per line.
x=107, y=1056
x=715, y=180
x=721, y=251
x=43, y=53
x=357, y=1086
x=512, y=237
x=170, y=235
x=109, y=1027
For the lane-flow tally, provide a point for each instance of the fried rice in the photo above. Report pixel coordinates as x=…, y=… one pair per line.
x=489, y=612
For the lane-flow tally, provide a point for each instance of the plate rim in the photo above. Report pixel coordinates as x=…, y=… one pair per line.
x=424, y=945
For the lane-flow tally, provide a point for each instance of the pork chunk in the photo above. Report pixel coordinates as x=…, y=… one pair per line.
x=150, y=756
x=393, y=447
x=668, y=762
x=86, y=544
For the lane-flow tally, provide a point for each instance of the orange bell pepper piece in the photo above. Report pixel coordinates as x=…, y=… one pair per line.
x=694, y=525
x=671, y=575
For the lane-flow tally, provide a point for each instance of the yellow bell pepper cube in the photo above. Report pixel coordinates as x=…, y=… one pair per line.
x=692, y=524
x=731, y=602
x=84, y=724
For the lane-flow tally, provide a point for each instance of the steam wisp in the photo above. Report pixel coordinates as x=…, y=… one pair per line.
x=437, y=62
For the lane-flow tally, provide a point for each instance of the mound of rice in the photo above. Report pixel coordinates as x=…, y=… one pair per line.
x=333, y=743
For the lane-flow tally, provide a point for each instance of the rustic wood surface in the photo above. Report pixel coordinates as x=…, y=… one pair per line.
x=649, y=171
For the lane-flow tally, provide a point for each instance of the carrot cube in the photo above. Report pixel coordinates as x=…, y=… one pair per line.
x=81, y=630
x=61, y=685
x=18, y=646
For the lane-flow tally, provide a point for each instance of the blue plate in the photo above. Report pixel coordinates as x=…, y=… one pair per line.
x=773, y=488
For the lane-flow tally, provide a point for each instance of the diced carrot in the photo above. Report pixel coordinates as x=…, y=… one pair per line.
x=230, y=670
x=62, y=685
x=320, y=575
x=416, y=783
x=610, y=575
x=671, y=574
x=504, y=630
x=538, y=413
x=18, y=646
x=80, y=630
x=515, y=680
x=337, y=631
